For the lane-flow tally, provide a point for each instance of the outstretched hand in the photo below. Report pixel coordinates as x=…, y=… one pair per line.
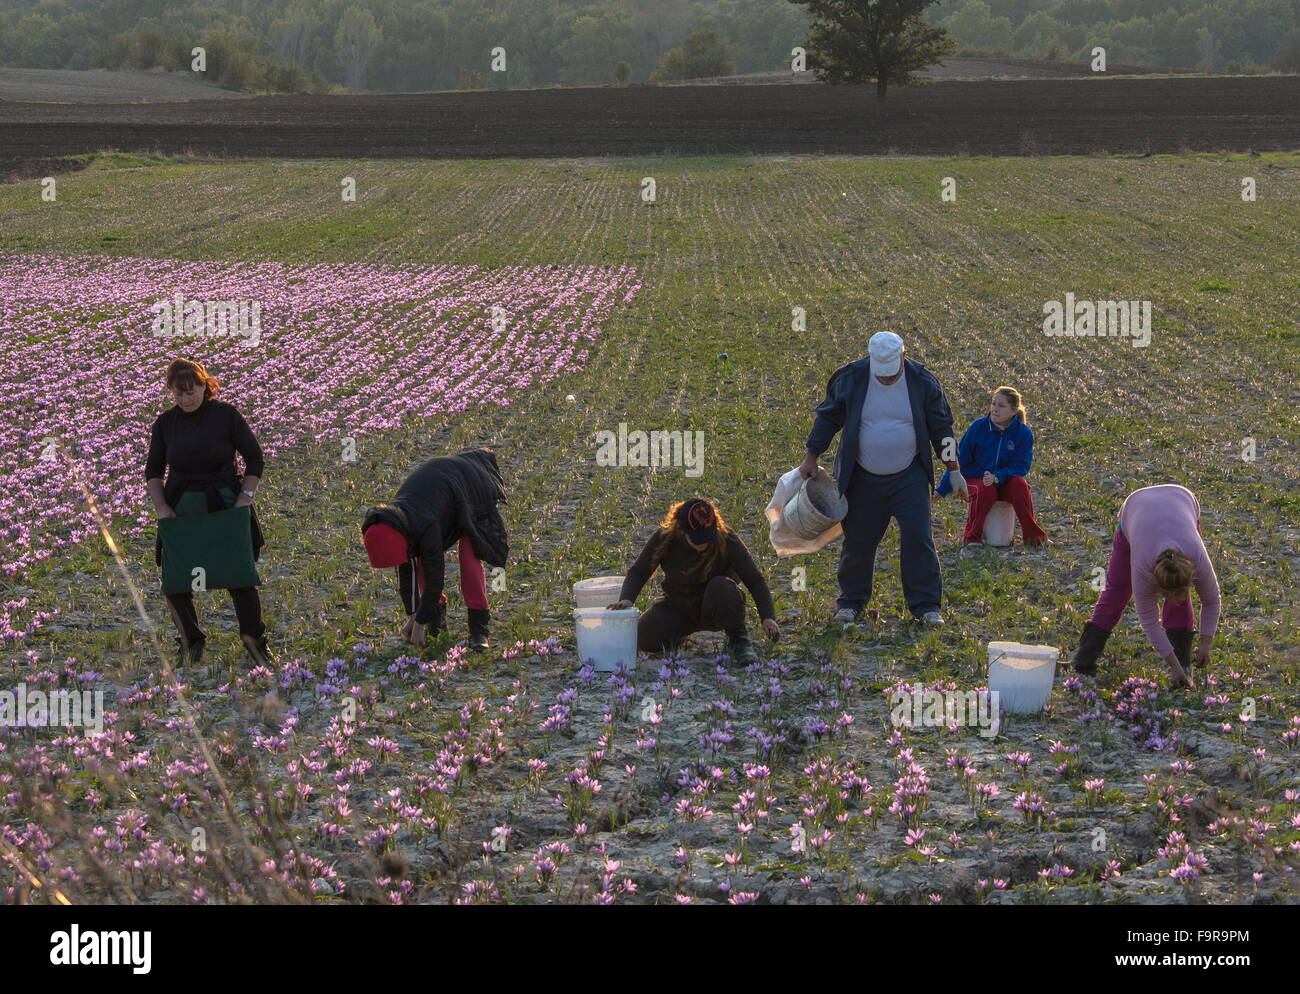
x=771, y=629
x=1178, y=677
x=619, y=606
x=414, y=632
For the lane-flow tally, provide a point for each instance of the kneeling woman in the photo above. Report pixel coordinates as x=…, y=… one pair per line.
x=446, y=501
x=995, y=455
x=702, y=559
x=195, y=442
x=1157, y=552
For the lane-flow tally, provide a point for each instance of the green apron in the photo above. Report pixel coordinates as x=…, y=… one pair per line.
x=218, y=542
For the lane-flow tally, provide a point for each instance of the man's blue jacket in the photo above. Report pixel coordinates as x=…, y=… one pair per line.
x=846, y=392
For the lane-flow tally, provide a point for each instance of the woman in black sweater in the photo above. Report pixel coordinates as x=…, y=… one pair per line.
x=702, y=560
x=196, y=442
x=446, y=501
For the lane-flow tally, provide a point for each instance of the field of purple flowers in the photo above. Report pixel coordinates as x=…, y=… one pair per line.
x=350, y=350
x=358, y=770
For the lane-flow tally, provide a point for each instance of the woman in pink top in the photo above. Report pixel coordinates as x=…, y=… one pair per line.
x=1157, y=552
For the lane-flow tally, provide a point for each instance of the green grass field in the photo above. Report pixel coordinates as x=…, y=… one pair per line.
x=728, y=249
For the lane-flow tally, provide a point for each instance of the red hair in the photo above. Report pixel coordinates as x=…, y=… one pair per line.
x=184, y=373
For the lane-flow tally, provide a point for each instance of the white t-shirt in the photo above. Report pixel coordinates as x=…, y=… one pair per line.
x=886, y=435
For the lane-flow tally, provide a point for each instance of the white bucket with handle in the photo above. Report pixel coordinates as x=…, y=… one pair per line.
x=598, y=591
x=817, y=507
x=1022, y=675
x=1000, y=525
x=606, y=638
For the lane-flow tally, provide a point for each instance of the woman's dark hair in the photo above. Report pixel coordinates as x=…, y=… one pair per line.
x=184, y=373
x=713, y=559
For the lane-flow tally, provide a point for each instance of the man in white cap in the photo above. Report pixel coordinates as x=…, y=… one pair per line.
x=892, y=412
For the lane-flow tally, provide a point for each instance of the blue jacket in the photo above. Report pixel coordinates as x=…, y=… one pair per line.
x=1005, y=453
x=842, y=409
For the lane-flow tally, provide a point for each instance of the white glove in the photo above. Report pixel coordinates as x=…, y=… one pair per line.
x=959, y=483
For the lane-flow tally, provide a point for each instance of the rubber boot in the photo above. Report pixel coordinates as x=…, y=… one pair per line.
x=478, y=628
x=193, y=653
x=1182, y=640
x=741, y=648
x=257, y=649
x=1091, y=644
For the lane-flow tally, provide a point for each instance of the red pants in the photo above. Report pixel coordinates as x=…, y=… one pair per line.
x=1015, y=492
x=472, y=585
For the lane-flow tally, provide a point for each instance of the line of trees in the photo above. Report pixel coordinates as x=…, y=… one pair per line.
x=394, y=45
x=1209, y=35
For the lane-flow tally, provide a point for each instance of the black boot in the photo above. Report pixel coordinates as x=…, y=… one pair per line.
x=1182, y=640
x=192, y=653
x=258, y=651
x=1091, y=644
x=741, y=648
x=478, y=628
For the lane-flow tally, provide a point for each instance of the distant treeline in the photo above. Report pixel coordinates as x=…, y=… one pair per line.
x=1208, y=35
x=397, y=45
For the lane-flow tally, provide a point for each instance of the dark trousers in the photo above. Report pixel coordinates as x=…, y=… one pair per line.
x=667, y=622
x=248, y=609
x=873, y=500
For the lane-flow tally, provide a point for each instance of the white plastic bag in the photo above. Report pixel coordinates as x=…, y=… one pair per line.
x=783, y=541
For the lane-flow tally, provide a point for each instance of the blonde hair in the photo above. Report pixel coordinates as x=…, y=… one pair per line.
x=1173, y=573
x=1012, y=396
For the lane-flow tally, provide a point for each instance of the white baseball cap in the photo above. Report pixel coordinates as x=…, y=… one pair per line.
x=886, y=350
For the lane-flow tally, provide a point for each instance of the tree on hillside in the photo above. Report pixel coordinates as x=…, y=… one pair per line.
x=1037, y=35
x=1207, y=50
x=975, y=27
x=704, y=53
x=856, y=41
x=1287, y=56
x=290, y=35
x=598, y=37
x=356, y=40
x=656, y=26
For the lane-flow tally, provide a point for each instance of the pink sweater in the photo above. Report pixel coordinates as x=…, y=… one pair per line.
x=1159, y=518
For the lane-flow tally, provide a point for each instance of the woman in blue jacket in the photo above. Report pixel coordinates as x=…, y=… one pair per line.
x=995, y=454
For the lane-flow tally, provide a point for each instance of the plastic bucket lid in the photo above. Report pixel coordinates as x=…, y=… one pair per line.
x=1041, y=653
x=581, y=613
x=598, y=583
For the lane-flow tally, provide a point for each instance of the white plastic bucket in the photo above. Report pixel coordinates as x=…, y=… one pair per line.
x=817, y=507
x=607, y=638
x=597, y=591
x=1022, y=675
x=1000, y=525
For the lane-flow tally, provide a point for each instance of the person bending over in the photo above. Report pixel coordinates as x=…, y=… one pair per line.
x=1157, y=553
x=446, y=501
